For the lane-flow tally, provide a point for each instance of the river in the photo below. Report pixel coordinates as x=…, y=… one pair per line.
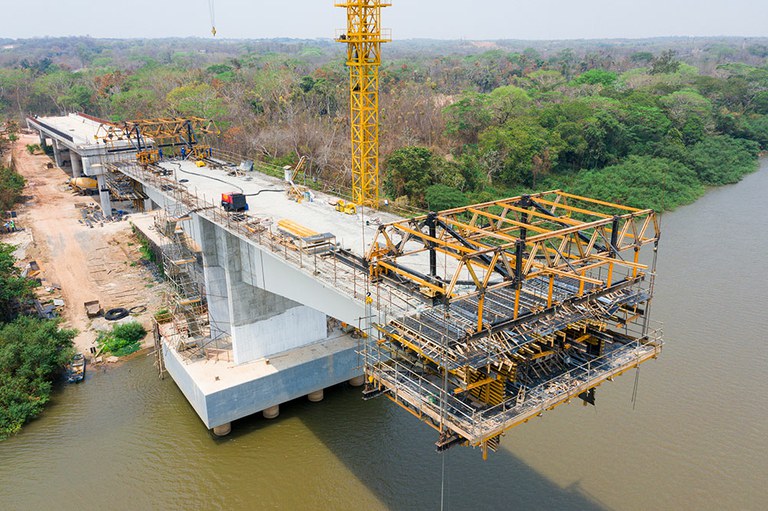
x=695, y=438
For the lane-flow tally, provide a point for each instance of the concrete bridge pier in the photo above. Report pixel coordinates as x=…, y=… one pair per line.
x=56, y=153
x=106, y=202
x=262, y=323
x=275, y=318
x=77, y=165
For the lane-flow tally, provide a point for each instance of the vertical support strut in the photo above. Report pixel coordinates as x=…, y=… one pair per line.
x=432, y=225
x=363, y=38
x=519, y=254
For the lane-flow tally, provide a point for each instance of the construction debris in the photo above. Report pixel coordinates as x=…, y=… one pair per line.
x=91, y=215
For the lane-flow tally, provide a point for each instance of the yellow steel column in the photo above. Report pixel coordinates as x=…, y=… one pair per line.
x=636, y=259
x=480, y=304
x=363, y=38
x=551, y=289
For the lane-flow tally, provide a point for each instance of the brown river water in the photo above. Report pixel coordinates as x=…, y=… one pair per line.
x=696, y=439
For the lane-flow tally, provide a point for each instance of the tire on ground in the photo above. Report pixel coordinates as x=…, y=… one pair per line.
x=115, y=314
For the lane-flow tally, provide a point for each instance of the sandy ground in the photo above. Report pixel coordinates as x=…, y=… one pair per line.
x=99, y=263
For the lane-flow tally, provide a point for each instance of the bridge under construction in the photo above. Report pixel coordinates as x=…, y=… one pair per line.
x=474, y=319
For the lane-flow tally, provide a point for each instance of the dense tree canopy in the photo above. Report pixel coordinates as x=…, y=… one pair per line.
x=32, y=353
x=480, y=120
x=13, y=287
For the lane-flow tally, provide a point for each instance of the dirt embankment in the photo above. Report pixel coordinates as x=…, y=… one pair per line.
x=87, y=263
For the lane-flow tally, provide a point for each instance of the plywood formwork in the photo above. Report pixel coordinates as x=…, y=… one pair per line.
x=537, y=299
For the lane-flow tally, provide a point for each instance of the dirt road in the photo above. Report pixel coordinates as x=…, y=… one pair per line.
x=100, y=263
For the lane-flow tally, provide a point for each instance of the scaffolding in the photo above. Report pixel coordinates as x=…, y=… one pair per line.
x=538, y=299
x=187, y=327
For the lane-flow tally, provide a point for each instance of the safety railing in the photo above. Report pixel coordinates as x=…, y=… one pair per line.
x=428, y=397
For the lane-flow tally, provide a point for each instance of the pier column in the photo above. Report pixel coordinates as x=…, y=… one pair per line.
x=77, y=164
x=106, y=202
x=56, y=153
x=272, y=412
x=215, y=278
x=316, y=396
x=223, y=430
x=263, y=323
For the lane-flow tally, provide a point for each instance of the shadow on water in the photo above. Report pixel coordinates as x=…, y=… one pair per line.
x=392, y=454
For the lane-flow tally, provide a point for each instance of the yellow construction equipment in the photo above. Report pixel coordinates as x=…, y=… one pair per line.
x=201, y=152
x=294, y=191
x=350, y=208
x=83, y=184
x=148, y=157
x=363, y=37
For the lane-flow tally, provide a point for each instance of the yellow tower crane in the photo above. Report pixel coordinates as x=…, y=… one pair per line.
x=363, y=37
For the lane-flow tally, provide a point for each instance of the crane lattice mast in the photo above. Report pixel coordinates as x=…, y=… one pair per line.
x=363, y=37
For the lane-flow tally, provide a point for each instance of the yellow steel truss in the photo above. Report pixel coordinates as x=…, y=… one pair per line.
x=363, y=37
x=534, y=301
x=549, y=234
x=163, y=131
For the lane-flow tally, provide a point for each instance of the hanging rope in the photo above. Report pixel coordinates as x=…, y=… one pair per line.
x=634, y=390
x=442, y=484
x=212, y=13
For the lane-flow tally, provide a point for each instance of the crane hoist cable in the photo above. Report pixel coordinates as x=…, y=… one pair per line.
x=212, y=13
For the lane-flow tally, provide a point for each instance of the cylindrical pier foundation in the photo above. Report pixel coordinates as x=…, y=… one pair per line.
x=223, y=430
x=357, y=381
x=315, y=396
x=272, y=412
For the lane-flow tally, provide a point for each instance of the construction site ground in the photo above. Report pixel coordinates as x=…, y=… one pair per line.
x=78, y=263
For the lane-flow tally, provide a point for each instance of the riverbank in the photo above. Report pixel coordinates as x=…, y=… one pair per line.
x=78, y=263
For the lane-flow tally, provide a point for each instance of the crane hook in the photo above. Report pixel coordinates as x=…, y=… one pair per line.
x=213, y=17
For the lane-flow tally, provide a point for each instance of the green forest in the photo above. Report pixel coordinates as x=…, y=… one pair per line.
x=648, y=123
